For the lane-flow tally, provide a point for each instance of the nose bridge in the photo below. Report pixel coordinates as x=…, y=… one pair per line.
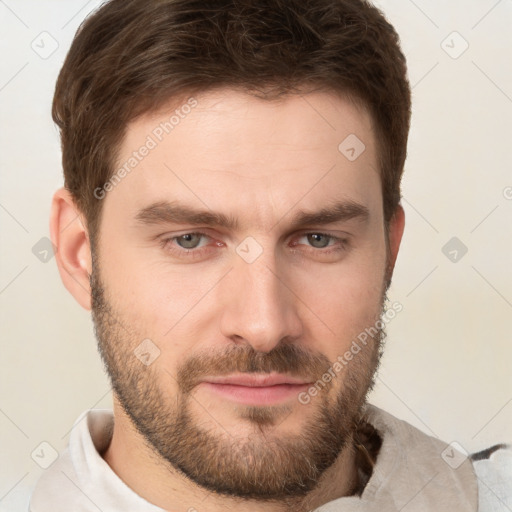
x=259, y=308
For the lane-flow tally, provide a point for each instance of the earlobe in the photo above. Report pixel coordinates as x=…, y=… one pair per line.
x=73, y=254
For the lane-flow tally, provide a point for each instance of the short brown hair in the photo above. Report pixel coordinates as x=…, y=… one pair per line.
x=132, y=56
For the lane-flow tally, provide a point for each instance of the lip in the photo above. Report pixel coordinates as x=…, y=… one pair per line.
x=256, y=380
x=256, y=389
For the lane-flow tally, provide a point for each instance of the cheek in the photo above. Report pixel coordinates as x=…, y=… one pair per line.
x=347, y=299
x=142, y=284
x=155, y=300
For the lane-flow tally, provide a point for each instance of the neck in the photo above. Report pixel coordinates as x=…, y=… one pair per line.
x=147, y=474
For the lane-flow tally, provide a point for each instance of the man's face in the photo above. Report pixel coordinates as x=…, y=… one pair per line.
x=271, y=292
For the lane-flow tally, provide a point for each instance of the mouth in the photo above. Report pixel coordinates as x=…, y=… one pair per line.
x=256, y=389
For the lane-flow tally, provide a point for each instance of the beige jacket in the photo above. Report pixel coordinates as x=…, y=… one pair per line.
x=414, y=473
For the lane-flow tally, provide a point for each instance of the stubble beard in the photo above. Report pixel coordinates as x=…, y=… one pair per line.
x=268, y=466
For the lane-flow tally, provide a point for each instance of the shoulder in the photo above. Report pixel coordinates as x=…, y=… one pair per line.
x=493, y=469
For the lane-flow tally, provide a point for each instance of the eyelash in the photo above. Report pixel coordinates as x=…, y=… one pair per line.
x=342, y=245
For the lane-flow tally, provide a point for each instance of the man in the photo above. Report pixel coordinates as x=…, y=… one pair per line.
x=231, y=215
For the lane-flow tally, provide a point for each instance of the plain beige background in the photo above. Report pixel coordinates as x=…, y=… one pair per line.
x=447, y=363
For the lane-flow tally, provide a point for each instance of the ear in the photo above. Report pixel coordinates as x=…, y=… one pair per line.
x=73, y=254
x=395, y=232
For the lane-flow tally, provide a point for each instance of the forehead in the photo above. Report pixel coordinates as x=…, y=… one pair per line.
x=232, y=152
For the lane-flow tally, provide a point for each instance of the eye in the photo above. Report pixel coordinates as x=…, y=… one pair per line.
x=196, y=246
x=322, y=246
x=191, y=246
x=189, y=240
x=319, y=240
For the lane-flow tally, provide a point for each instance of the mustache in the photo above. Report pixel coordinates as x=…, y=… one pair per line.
x=289, y=359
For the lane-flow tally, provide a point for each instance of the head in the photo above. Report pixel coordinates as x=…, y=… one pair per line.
x=232, y=186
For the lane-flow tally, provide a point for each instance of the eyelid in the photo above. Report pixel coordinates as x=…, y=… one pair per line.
x=298, y=234
x=323, y=231
x=341, y=244
x=166, y=242
x=339, y=236
x=168, y=238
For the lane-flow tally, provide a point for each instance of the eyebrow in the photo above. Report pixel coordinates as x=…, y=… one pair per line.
x=165, y=212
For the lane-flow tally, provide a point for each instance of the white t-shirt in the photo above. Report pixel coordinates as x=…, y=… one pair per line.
x=414, y=473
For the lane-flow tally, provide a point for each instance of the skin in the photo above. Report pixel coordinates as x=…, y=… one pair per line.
x=259, y=162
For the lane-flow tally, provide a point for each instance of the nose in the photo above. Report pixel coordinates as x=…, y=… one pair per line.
x=260, y=307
